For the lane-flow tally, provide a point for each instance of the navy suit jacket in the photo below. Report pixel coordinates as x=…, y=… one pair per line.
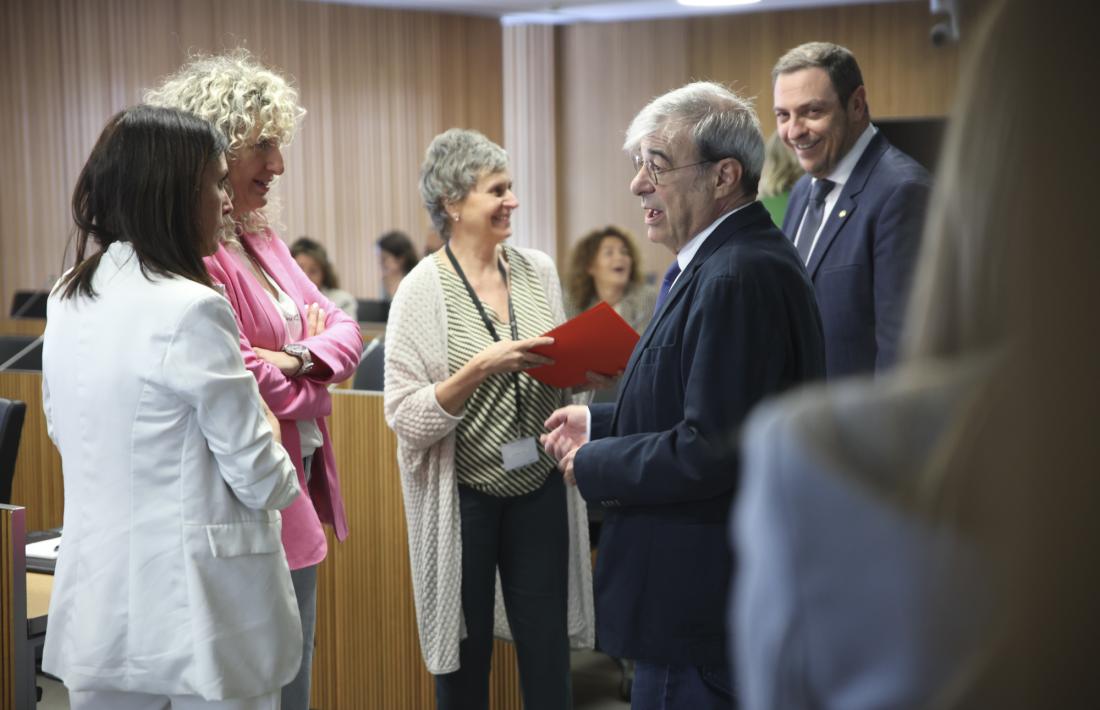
x=863, y=261
x=739, y=324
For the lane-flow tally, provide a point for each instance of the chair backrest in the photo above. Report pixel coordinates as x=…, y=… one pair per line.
x=21, y=352
x=17, y=664
x=369, y=311
x=369, y=374
x=29, y=304
x=12, y=413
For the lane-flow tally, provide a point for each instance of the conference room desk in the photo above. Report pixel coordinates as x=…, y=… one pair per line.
x=39, y=586
x=368, y=653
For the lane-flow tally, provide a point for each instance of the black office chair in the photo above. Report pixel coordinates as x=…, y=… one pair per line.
x=12, y=413
x=368, y=311
x=29, y=304
x=369, y=375
x=21, y=352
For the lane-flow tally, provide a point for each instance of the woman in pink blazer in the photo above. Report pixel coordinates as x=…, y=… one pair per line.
x=293, y=339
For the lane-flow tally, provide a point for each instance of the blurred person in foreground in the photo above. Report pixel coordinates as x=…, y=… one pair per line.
x=928, y=539
x=294, y=341
x=735, y=321
x=173, y=589
x=312, y=259
x=489, y=518
x=604, y=266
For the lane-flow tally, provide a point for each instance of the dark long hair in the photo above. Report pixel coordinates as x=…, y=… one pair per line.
x=141, y=185
x=314, y=250
x=401, y=247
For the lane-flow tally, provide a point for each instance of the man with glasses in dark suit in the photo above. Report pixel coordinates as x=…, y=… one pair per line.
x=735, y=321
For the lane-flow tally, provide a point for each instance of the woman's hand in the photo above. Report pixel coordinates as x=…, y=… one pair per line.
x=287, y=364
x=512, y=356
x=315, y=320
x=505, y=356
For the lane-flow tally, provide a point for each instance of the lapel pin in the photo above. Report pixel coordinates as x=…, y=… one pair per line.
x=843, y=214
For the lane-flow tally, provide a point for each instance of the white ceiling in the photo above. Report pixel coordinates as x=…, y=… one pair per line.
x=569, y=11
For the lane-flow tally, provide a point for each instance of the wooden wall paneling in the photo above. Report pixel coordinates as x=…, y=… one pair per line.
x=368, y=653
x=607, y=72
x=38, y=484
x=22, y=326
x=377, y=85
x=10, y=617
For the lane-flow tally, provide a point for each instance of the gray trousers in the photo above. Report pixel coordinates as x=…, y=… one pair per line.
x=296, y=693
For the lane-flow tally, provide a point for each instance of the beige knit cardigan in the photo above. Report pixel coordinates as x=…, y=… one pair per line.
x=416, y=359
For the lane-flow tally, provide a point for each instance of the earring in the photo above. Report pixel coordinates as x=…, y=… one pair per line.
x=454, y=217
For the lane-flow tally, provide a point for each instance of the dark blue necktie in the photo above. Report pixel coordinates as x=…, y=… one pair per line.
x=814, y=216
x=666, y=284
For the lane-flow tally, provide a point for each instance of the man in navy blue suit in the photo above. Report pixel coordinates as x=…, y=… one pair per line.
x=735, y=322
x=856, y=217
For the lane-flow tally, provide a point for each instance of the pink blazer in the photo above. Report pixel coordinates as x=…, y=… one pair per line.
x=336, y=354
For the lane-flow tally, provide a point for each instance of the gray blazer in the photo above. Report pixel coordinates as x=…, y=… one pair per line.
x=844, y=599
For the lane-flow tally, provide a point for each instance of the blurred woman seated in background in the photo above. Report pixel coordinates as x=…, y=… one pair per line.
x=928, y=539
x=172, y=588
x=604, y=266
x=781, y=171
x=313, y=260
x=396, y=258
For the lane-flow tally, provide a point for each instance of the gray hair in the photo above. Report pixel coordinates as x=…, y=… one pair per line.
x=722, y=123
x=453, y=163
x=838, y=62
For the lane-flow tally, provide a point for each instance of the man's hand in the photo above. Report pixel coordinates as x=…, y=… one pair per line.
x=566, y=466
x=568, y=429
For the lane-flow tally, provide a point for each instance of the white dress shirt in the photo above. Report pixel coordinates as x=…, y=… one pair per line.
x=839, y=176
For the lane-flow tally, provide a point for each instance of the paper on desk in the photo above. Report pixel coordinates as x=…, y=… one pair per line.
x=598, y=340
x=44, y=549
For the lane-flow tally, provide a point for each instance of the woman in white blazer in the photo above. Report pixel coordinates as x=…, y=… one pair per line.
x=172, y=588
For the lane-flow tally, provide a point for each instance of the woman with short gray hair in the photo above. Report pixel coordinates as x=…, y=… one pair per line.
x=481, y=495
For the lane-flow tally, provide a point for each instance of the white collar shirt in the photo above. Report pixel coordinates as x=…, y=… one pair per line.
x=839, y=176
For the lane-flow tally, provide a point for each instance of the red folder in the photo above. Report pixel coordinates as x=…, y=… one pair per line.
x=598, y=340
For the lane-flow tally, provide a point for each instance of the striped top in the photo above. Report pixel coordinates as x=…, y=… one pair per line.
x=491, y=410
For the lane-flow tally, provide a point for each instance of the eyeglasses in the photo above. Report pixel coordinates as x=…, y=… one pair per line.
x=655, y=172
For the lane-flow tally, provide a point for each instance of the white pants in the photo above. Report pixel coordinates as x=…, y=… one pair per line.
x=113, y=700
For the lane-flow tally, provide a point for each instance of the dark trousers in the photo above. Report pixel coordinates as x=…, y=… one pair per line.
x=663, y=687
x=527, y=537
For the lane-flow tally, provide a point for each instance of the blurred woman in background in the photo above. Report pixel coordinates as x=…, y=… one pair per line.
x=396, y=257
x=604, y=266
x=781, y=171
x=313, y=260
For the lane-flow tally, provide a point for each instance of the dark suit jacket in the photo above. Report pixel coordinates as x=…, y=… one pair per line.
x=739, y=324
x=863, y=261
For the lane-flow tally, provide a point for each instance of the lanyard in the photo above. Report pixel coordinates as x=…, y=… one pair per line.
x=489, y=324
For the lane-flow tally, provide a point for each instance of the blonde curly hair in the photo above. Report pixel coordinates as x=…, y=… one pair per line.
x=244, y=100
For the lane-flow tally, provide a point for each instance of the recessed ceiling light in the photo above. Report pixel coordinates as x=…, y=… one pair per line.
x=715, y=3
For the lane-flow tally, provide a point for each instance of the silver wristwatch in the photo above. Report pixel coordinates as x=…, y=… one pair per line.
x=301, y=352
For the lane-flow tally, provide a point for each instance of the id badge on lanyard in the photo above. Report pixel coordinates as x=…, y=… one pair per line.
x=523, y=450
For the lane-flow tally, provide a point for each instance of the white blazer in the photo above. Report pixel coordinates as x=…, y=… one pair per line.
x=171, y=578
